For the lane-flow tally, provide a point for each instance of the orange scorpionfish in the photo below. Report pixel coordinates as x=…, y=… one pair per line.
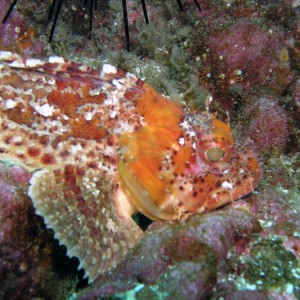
x=103, y=145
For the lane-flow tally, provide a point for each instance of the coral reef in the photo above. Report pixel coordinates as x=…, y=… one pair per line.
x=245, y=54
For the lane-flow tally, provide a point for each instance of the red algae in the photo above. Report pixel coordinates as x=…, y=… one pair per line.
x=176, y=53
x=26, y=248
x=247, y=47
x=268, y=126
x=16, y=35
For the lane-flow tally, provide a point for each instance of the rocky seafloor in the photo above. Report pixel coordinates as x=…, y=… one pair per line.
x=246, y=54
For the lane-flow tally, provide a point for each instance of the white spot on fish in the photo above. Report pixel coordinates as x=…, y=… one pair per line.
x=45, y=110
x=181, y=141
x=33, y=62
x=56, y=59
x=107, y=68
x=227, y=185
x=10, y=104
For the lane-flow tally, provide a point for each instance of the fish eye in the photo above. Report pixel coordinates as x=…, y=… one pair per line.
x=215, y=154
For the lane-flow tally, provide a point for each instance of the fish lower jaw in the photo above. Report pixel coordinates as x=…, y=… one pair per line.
x=181, y=210
x=219, y=198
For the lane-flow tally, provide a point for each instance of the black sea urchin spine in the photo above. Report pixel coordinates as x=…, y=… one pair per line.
x=93, y=5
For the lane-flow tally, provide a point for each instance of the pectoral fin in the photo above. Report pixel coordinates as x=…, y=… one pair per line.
x=83, y=210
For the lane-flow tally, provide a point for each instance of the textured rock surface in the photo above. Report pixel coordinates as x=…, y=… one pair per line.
x=185, y=256
x=30, y=259
x=189, y=56
x=268, y=125
x=224, y=253
x=16, y=35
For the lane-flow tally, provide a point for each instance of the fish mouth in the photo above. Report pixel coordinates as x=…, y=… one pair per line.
x=239, y=189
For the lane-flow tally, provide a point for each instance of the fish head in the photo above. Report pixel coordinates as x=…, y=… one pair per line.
x=180, y=164
x=218, y=172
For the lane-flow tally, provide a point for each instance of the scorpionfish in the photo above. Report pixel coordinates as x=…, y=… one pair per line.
x=102, y=145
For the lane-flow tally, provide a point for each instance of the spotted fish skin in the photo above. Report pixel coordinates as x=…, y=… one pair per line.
x=103, y=145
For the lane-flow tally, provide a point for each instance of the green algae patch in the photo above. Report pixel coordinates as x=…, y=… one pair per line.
x=270, y=266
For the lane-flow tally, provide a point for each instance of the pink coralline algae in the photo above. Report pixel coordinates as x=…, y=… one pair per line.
x=26, y=249
x=212, y=255
x=295, y=91
x=247, y=54
x=268, y=127
x=16, y=35
x=172, y=256
x=247, y=47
